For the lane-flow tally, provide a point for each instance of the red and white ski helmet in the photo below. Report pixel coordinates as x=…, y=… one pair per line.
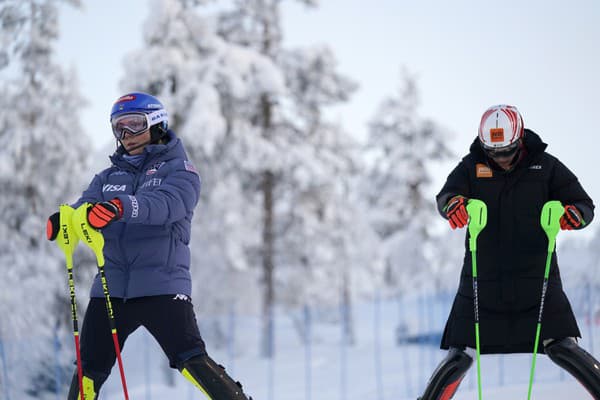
x=501, y=126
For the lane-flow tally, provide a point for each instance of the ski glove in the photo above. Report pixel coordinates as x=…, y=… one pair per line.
x=571, y=219
x=52, y=226
x=103, y=213
x=456, y=212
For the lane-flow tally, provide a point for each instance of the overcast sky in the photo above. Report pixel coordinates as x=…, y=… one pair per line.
x=542, y=56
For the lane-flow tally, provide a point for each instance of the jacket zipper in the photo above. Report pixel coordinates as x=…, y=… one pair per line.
x=138, y=174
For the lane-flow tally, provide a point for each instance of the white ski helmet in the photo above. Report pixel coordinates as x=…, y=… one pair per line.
x=501, y=129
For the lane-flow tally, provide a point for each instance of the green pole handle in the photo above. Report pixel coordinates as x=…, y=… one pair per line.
x=477, y=211
x=550, y=222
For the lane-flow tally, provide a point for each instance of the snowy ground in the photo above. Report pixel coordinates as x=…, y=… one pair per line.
x=327, y=367
x=547, y=391
x=374, y=368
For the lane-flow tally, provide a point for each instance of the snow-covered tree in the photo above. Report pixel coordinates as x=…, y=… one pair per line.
x=273, y=169
x=41, y=156
x=401, y=147
x=327, y=249
x=310, y=219
x=207, y=84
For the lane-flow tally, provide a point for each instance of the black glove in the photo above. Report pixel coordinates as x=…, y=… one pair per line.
x=456, y=212
x=571, y=219
x=53, y=226
x=103, y=213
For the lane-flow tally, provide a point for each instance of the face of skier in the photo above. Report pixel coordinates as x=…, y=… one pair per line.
x=134, y=144
x=504, y=156
x=504, y=162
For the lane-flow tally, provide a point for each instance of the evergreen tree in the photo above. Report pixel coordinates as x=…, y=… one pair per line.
x=42, y=154
x=273, y=168
x=401, y=148
x=208, y=86
x=329, y=247
x=310, y=220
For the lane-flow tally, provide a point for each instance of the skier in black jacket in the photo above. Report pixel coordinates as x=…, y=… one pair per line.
x=509, y=170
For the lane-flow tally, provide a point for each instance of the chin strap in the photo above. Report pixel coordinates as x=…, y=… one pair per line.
x=157, y=133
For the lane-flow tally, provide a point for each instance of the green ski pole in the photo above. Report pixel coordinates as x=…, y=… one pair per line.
x=550, y=221
x=477, y=211
x=95, y=241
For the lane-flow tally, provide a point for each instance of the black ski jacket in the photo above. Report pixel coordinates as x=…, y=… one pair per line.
x=512, y=250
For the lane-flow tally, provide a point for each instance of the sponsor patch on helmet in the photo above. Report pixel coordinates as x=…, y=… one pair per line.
x=158, y=115
x=497, y=135
x=127, y=97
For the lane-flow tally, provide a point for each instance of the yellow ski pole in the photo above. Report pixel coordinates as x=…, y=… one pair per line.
x=95, y=241
x=67, y=241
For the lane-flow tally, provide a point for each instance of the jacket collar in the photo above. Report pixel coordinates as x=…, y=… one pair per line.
x=534, y=146
x=152, y=152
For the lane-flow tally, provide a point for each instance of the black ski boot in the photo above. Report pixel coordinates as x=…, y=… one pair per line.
x=576, y=361
x=212, y=379
x=91, y=386
x=447, y=376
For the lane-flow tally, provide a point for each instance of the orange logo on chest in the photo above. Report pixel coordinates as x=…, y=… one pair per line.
x=483, y=171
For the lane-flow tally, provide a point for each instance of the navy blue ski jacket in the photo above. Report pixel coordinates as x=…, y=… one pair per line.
x=147, y=251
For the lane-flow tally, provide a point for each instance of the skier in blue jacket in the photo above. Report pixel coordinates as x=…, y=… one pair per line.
x=143, y=204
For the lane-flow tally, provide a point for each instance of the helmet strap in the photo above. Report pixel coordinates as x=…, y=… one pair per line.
x=157, y=133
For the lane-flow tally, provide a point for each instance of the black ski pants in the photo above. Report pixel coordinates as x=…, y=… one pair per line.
x=170, y=319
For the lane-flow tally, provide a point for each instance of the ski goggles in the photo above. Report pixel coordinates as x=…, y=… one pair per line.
x=502, y=152
x=136, y=123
